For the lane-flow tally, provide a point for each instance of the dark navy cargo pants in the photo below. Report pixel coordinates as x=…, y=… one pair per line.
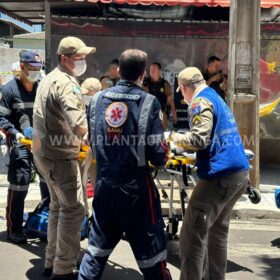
x=19, y=174
x=133, y=209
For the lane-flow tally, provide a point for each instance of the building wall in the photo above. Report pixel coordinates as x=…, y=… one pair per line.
x=29, y=44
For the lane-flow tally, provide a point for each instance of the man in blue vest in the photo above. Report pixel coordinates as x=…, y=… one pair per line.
x=222, y=168
x=126, y=133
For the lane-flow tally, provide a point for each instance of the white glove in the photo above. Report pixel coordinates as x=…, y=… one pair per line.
x=19, y=136
x=167, y=136
x=179, y=150
x=4, y=150
x=85, y=140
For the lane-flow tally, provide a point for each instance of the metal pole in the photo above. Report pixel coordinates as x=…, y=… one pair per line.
x=47, y=36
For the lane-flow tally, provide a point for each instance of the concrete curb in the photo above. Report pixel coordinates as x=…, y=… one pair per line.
x=243, y=209
x=247, y=214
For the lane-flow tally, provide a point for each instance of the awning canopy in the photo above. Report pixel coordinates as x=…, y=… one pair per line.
x=198, y=3
x=32, y=11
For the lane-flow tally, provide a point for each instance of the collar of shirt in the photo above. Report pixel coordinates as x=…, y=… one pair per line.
x=155, y=81
x=127, y=84
x=66, y=71
x=198, y=90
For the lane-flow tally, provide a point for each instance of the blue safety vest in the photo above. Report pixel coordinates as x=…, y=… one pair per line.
x=225, y=155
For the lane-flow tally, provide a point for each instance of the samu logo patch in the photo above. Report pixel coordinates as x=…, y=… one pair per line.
x=116, y=114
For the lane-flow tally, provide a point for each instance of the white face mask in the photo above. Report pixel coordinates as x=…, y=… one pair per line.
x=80, y=67
x=33, y=76
x=86, y=99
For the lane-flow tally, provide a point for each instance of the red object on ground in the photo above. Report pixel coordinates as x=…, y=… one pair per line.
x=90, y=192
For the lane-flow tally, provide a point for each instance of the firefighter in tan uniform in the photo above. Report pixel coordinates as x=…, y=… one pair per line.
x=60, y=125
x=222, y=168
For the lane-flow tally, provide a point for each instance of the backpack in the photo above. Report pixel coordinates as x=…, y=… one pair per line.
x=36, y=225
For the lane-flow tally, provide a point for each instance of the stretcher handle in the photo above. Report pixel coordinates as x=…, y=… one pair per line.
x=25, y=141
x=82, y=154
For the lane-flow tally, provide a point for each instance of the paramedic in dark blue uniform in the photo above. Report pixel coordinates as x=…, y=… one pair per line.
x=222, y=168
x=16, y=109
x=126, y=133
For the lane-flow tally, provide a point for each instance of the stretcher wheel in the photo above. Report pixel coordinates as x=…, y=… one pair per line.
x=254, y=195
x=175, y=223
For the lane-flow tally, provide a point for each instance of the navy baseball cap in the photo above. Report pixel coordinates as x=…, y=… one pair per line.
x=31, y=58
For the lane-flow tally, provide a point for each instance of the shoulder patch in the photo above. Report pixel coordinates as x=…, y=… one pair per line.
x=76, y=89
x=116, y=114
x=196, y=108
x=196, y=100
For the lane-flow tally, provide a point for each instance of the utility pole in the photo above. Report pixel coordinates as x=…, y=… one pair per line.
x=243, y=74
x=47, y=36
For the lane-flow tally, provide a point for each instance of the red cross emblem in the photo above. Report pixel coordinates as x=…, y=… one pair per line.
x=116, y=114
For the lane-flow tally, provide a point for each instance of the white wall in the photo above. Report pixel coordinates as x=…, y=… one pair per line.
x=27, y=44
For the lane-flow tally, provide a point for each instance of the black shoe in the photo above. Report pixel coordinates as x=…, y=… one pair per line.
x=17, y=238
x=70, y=276
x=48, y=272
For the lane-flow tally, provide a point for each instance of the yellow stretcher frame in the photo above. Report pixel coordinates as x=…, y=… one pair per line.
x=179, y=160
x=82, y=154
x=173, y=160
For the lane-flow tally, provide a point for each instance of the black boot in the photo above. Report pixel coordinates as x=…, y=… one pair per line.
x=17, y=238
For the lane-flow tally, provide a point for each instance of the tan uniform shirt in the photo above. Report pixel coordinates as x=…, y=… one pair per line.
x=59, y=117
x=201, y=124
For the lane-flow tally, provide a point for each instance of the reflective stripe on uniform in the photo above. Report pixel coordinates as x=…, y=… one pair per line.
x=98, y=252
x=5, y=111
x=23, y=105
x=142, y=128
x=18, y=188
x=92, y=114
x=153, y=261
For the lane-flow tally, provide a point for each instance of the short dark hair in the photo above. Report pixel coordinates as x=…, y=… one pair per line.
x=59, y=57
x=157, y=64
x=104, y=77
x=115, y=62
x=212, y=59
x=132, y=64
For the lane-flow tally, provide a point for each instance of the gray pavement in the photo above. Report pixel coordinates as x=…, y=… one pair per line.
x=253, y=254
